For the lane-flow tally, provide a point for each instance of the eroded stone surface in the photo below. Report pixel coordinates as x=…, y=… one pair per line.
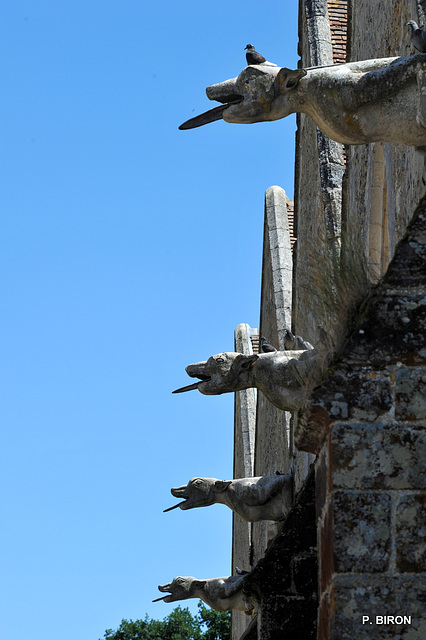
x=380, y=373
x=362, y=531
x=393, y=330
x=378, y=456
x=354, y=596
x=410, y=394
x=358, y=393
x=411, y=533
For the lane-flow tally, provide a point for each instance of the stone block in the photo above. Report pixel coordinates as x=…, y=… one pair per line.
x=410, y=394
x=361, y=531
x=393, y=330
x=378, y=456
x=359, y=393
x=316, y=8
x=410, y=539
x=354, y=596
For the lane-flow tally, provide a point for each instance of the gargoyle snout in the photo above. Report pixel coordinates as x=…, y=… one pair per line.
x=164, y=588
x=224, y=92
x=180, y=492
x=198, y=370
x=195, y=371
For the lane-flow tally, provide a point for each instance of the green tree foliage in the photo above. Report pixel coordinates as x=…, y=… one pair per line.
x=216, y=624
x=180, y=624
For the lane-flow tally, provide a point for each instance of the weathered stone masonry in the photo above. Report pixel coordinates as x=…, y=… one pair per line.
x=367, y=419
x=367, y=423
x=285, y=579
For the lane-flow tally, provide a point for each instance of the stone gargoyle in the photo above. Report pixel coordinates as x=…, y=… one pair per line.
x=382, y=100
x=253, y=499
x=283, y=376
x=222, y=594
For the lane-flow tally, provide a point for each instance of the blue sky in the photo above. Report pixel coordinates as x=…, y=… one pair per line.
x=129, y=250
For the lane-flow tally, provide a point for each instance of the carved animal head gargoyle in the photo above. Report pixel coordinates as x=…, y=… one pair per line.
x=222, y=594
x=220, y=373
x=380, y=100
x=283, y=376
x=199, y=492
x=253, y=499
x=251, y=97
x=181, y=588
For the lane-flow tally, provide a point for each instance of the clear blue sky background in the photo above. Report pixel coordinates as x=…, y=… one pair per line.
x=129, y=249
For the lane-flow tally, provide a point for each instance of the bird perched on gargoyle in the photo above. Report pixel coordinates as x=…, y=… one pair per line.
x=266, y=347
x=417, y=36
x=295, y=342
x=253, y=57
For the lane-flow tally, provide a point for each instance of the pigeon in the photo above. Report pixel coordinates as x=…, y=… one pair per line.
x=417, y=36
x=241, y=572
x=303, y=344
x=252, y=56
x=266, y=346
x=292, y=342
x=289, y=340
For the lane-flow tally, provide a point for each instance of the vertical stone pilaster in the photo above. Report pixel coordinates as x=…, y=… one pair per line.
x=273, y=435
x=244, y=447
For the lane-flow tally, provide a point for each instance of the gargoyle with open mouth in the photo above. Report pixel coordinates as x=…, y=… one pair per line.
x=380, y=100
x=222, y=594
x=283, y=376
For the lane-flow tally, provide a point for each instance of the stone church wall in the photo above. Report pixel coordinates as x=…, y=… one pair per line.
x=352, y=207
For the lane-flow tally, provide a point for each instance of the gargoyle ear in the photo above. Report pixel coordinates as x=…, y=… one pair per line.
x=245, y=362
x=288, y=78
x=198, y=584
x=222, y=485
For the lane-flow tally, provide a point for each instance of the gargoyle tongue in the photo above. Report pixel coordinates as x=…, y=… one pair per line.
x=164, y=588
x=178, y=492
x=208, y=116
x=192, y=386
x=175, y=506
